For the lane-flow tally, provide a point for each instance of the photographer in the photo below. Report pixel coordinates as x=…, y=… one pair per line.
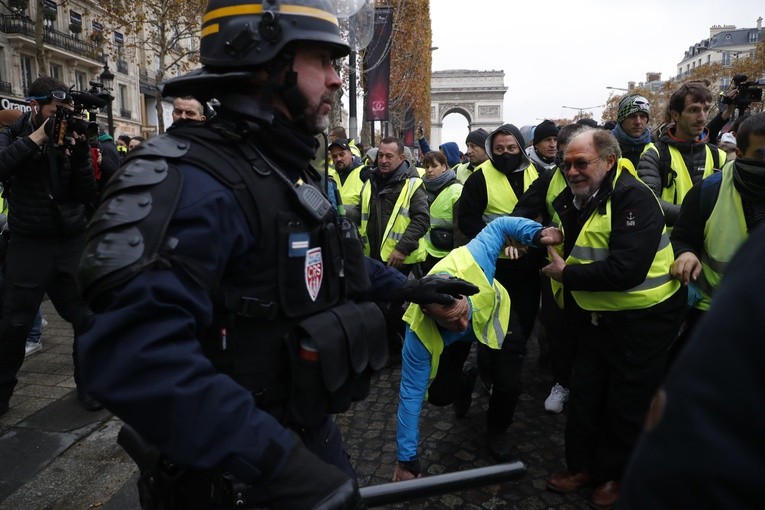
x=48, y=182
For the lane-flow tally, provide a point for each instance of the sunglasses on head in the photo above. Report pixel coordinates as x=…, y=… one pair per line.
x=58, y=95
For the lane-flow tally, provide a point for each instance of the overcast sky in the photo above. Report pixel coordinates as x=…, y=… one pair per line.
x=561, y=53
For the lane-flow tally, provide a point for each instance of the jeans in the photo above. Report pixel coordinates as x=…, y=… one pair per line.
x=35, y=334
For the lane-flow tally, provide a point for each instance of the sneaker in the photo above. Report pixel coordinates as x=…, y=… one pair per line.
x=558, y=396
x=32, y=347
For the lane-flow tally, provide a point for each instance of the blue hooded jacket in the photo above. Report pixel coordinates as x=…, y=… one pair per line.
x=452, y=152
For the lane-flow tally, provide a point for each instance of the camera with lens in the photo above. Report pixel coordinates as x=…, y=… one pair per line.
x=79, y=119
x=748, y=92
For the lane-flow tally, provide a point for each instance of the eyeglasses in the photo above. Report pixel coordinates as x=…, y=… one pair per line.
x=580, y=164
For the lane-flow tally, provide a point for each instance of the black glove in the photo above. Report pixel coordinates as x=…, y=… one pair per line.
x=435, y=288
x=307, y=482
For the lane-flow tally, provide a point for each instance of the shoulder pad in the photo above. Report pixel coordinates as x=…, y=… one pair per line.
x=160, y=146
x=127, y=233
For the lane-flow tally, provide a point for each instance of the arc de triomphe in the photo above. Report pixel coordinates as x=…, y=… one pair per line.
x=476, y=95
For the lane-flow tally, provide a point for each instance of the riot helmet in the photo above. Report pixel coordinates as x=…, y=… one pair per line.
x=241, y=37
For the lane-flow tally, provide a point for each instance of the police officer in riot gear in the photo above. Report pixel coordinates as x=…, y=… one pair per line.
x=221, y=278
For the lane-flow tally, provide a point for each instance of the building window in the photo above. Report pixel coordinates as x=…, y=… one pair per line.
x=725, y=58
x=119, y=38
x=56, y=71
x=752, y=37
x=27, y=71
x=124, y=97
x=80, y=81
x=694, y=65
x=96, y=26
x=709, y=59
x=75, y=17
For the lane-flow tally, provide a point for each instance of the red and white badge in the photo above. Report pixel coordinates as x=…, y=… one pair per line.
x=314, y=272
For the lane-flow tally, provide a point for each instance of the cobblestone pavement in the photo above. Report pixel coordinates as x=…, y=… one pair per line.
x=56, y=456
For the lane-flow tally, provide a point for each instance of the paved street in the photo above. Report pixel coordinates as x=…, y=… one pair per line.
x=56, y=456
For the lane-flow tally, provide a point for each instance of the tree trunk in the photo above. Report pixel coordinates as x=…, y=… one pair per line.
x=40, y=57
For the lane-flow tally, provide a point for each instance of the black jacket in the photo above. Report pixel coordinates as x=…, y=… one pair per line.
x=47, y=193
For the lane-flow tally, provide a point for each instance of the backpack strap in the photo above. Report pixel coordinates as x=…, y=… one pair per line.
x=710, y=190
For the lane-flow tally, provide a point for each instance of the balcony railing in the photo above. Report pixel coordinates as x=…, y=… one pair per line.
x=26, y=27
x=125, y=114
x=6, y=87
x=146, y=83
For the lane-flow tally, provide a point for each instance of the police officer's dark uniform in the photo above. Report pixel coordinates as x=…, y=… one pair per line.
x=220, y=273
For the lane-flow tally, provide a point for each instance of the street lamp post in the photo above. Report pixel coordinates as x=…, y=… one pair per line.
x=107, y=78
x=618, y=88
x=583, y=109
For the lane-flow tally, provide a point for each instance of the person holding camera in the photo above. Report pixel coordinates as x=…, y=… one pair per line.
x=48, y=182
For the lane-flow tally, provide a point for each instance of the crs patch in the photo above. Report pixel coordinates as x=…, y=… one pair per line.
x=314, y=272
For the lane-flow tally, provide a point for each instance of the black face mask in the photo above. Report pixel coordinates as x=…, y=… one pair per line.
x=507, y=162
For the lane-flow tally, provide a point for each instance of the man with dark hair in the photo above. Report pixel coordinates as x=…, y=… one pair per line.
x=49, y=188
x=544, y=147
x=716, y=217
x=394, y=210
x=492, y=191
x=188, y=108
x=348, y=170
x=476, y=154
x=620, y=305
x=681, y=157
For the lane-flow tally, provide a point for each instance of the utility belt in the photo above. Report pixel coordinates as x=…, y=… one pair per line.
x=332, y=356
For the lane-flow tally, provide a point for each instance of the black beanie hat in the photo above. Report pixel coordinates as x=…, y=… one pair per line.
x=543, y=130
x=477, y=137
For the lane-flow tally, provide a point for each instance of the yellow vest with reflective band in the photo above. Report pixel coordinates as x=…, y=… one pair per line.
x=592, y=246
x=350, y=190
x=491, y=307
x=682, y=182
x=463, y=172
x=557, y=185
x=397, y=223
x=442, y=216
x=501, y=197
x=724, y=232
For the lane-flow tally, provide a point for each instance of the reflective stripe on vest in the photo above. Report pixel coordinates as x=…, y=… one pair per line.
x=442, y=216
x=397, y=223
x=680, y=184
x=592, y=246
x=490, y=307
x=724, y=232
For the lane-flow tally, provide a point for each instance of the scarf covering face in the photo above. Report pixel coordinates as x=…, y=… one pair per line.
x=749, y=179
x=624, y=139
x=507, y=162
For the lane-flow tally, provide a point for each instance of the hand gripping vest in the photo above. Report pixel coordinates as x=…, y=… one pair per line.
x=491, y=307
x=592, y=246
x=397, y=223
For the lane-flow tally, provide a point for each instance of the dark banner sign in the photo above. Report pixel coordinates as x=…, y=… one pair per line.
x=377, y=66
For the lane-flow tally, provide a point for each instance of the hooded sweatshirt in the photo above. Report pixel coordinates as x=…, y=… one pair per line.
x=452, y=152
x=474, y=196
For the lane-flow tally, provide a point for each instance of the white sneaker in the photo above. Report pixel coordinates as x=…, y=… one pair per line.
x=32, y=347
x=558, y=396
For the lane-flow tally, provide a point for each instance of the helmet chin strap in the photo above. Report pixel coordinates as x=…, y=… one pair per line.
x=290, y=93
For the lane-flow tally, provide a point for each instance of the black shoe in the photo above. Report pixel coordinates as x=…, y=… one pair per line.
x=88, y=402
x=499, y=447
x=465, y=396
